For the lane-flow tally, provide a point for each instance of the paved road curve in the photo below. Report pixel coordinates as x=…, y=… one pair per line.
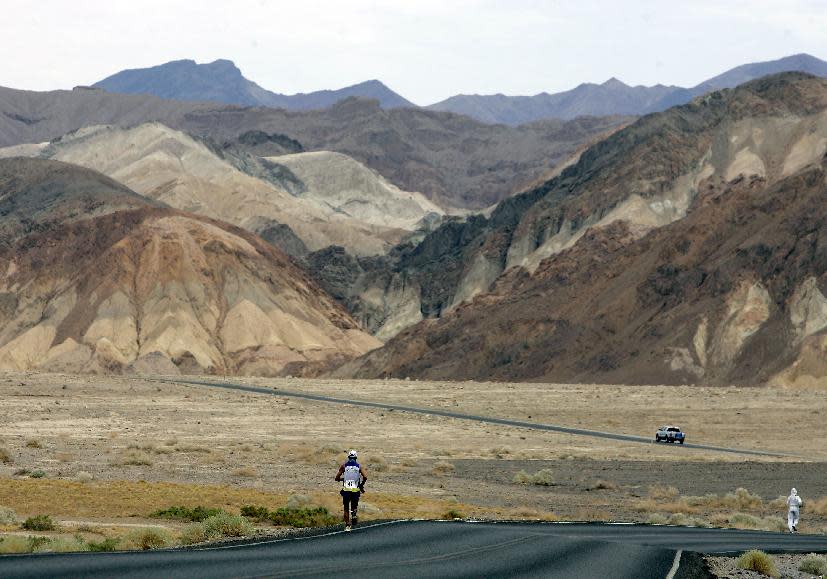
x=487, y=419
x=432, y=549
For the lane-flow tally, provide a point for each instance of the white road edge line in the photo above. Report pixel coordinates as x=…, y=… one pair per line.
x=675, y=565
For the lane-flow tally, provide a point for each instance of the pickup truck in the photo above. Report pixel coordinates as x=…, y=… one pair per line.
x=670, y=434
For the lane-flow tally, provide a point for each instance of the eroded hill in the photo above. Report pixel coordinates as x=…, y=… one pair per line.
x=99, y=279
x=690, y=246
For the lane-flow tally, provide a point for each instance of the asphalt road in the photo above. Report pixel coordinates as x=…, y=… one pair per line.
x=433, y=549
x=476, y=418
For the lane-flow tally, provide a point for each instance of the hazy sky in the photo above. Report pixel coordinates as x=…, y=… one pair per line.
x=424, y=49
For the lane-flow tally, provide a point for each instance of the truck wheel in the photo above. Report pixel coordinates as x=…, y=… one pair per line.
x=681, y=441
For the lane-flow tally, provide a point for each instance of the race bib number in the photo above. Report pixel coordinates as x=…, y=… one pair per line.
x=351, y=485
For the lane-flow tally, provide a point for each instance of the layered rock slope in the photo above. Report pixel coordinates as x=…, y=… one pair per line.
x=95, y=278
x=322, y=198
x=691, y=246
x=453, y=160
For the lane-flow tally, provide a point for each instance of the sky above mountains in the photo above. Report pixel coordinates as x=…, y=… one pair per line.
x=426, y=50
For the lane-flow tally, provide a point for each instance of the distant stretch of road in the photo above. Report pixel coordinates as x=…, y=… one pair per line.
x=476, y=418
x=433, y=549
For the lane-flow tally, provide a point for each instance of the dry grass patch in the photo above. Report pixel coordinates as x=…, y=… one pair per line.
x=759, y=562
x=33, y=443
x=542, y=477
x=146, y=539
x=64, y=457
x=246, y=471
x=443, y=468
x=133, y=457
x=5, y=457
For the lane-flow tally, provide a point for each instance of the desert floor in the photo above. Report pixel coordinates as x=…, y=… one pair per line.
x=111, y=450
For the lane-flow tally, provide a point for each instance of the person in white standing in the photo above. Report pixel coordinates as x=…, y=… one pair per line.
x=794, y=508
x=353, y=478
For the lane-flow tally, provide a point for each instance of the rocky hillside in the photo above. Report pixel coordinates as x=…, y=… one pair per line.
x=316, y=199
x=221, y=81
x=95, y=278
x=453, y=160
x=690, y=246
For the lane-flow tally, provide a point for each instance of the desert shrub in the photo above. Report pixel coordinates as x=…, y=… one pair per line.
x=39, y=523
x=603, y=485
x=83, y=476
x=657, y=519
x=227, y=525
x=745, y=521
x=22, y=472
x=378, y=464
x=37, y=474
x=193, y=534
x=33, y=443
x=759, y=562
x=298, y=501
x=452, y=514
x=149, y=538
x=683, y=520
x=133, y=457
x=7, y=516
x=302, y=517
x=216, y=527
x=818, y=507
x=542, y=477
x=442, y=468
x=5, y=457
x=108, y=544
x=194, y=514
x=660, y=492
x=245, y=471
x=255, y=512
x=63, y=545
x=813, y=564
x=11, y=544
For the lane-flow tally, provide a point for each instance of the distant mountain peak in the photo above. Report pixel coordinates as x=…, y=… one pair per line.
x=615, y=83
x=222, y=81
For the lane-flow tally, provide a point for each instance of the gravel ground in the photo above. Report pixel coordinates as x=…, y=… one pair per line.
x=725, y=568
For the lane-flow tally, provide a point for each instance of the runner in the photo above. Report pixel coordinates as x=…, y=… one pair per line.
x=353, y=479
x=794, y=503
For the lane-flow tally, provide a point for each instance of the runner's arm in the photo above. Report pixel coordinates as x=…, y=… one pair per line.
x=340, y=473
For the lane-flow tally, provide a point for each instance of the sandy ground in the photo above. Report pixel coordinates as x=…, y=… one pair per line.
x=787, y=566
x=86, y=432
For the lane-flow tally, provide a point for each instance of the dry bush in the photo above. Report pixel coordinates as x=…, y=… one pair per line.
x=298, y=501
x=741, y=499
x=149, y=538
x=63, y=545
x=500, y=452
x=5, y=457
x=33, y=443
x=683, y=520
x=246, y=448
x=818, y=507
x=245, y=471
x=662, y=493
x=443, y=468
x=747, y=521
x=814, y=565
x=658, y=519
x=378, y=464
x=83, y=476
x=11, y=544
x=602, y=485
x=542, y=477
x=759, y=562
x=192, y=449
x=171, y=442
x=64, y=456
x=216, y=527
x=134, y=458
x=320, y=455
x=408, y=462
x=7, y=516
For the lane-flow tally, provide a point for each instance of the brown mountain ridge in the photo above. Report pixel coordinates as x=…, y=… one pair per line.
x=690, y=246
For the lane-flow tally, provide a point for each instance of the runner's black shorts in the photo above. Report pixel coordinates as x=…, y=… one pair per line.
x=350, y=499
